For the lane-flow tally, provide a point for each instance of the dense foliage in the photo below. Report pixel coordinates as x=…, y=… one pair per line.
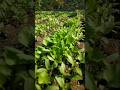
x=16, y=49
x=60, y=49
x=15, y=12
x=17, y=64
x=102, y=47
x=59, y=5
x=58, y=59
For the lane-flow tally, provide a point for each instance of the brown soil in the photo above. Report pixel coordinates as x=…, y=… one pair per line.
x=38, y=40
x=76, y=86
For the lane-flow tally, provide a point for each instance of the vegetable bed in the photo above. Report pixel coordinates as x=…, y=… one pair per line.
x=59, y=60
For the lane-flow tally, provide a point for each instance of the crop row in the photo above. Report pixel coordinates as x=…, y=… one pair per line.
x=58, y=59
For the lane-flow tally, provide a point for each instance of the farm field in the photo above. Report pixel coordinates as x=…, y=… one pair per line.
x=59, y=51
x=98, y=62
x=60, y=45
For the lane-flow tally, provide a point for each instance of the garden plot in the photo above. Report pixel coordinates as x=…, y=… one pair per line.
x=58, y=58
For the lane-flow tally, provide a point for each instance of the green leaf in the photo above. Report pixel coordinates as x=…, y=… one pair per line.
x=70, y=59
x=78, y=70
x=45, y=50
x=53, y=87
x=46, y=41
x=47, y=64
x=55, y=64
x=38, y=87
x=29, y=82
x=77, y=77
x=89, y=81
x=60, y=81
x=112, y=74
x=62, y=68
x=11, y=55
x=43, y=76
x=80, y=56
x=12, y=50
x=10, y=61
x=25, y=57
x=37, y=56
x=26, y=36
x=50, y=58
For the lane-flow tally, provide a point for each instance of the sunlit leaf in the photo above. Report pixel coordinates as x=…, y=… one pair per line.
x=60, y=81
x=43, y=77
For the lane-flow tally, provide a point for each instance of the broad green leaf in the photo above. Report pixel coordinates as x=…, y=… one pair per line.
x=25, y=57
x=70, y=59
x=50, y=58
x=53, y=87
x=46, y=40
x=77, y=77
x=10, y=61
x=12, y=50
x=38, y=52
x=45, y=50
x=38, y=87
x=37, y=56
x=60, y=81
x=80, y=56
x=78, y=70
x=55, y=64
x=62, y=68
x=43, y=76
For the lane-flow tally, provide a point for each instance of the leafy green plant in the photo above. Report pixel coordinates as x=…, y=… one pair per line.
x=15, y=11
x=49, y=22
x=16, y=66
x=59, y=5
x=100, y=21
x=59, y=58
x=17, y=62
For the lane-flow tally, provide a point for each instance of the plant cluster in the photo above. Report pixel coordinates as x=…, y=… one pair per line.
x=15, y=11
x=17, y=63
x=16, y=54
x=58, y=60
x=48, y=22
x=100, y=21
x=59, y=5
